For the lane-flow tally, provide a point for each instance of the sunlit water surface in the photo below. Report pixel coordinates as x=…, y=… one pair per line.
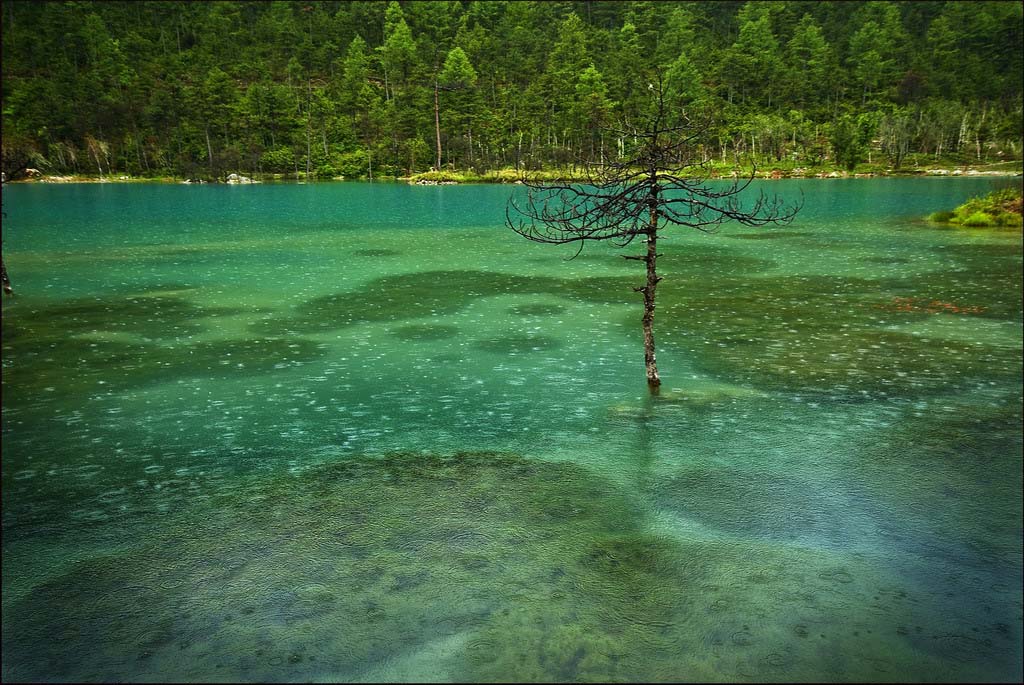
x=347, y=432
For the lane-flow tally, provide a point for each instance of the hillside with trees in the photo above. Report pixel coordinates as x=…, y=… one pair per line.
x=357, y=89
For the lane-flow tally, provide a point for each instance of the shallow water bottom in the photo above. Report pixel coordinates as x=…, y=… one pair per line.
x=703, y=565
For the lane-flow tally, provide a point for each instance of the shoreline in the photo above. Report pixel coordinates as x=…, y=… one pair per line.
x=507, y=176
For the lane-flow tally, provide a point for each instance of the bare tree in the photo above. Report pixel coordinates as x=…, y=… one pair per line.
x=17, y=154
x=8, y=289
x=660, y=183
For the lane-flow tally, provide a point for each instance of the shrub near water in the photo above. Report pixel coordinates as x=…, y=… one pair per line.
x=998, y=208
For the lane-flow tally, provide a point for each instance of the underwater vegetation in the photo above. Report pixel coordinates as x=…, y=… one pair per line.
x=475, y=567
x=121, y=342
x=848, y=335
x=831, y=334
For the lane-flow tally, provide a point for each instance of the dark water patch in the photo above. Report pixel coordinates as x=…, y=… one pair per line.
x=604, y=260
x=993, y=293
x=146, y=253
x=238, y=357
x=405, y=296
x=56, y=368
x=170, y=250
x=960, y=466
x=112, y=344
x=426, y=332
x=885, y=260
x=538, y=309
x=956, y=432
x=760, y=505
x=143, y=482
x=418, y=295
x=768, y=235
x=962, y=647
x=166, y=288
x=987, y=277
x=153, y=317
x=192, y=256
x=677, y=258
x=1010, y=250
x=34, y=326
x=820, y=334
x=632, y=560
x=859, y=362
x=448, y=358
x=695, y=260
x=585, y=260
x=376, y=252
x=518, y=344
x=605, y=289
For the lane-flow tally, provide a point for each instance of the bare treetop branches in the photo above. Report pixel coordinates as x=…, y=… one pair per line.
x=660, y=181
x=661, y=173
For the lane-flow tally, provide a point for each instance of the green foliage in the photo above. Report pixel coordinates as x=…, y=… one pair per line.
x=999, y=208
x=206, y=88
x=752, y=65
x=280, y=160
x=810, y=65
x=592, y=108
x=398, y=54
x=977, y=219
x=683, y=86
x=457, y=71
x=848, y=142
x=353, y=164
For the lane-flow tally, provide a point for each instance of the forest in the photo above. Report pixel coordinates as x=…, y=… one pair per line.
x=378, y=89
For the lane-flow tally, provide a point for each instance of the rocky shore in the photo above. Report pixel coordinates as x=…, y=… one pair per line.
x=456, y=177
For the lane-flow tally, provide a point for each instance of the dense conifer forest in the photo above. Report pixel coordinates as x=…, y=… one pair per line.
x=357, y=89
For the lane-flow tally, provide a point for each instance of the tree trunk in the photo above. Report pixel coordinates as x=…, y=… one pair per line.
x=8, y=289
x=209, y=148
x=138, y=154
x=977, y=133
x=653, y=380
x=437, y=125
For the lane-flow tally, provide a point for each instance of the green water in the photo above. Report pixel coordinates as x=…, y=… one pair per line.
x=355, y=432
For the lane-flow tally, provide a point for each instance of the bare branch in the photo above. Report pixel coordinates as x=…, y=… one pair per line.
x=658, y=183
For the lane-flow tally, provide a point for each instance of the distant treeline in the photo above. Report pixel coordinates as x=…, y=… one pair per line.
x=384, y=88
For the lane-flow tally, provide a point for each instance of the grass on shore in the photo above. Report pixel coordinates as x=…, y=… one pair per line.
x=1000, y=208
x=914, y=166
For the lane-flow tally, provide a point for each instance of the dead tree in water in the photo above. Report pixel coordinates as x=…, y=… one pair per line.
x=16, y=154
x=660, y=183
x=8, y=290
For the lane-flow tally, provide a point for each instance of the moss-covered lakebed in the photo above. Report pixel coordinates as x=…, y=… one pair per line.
x=474, y=566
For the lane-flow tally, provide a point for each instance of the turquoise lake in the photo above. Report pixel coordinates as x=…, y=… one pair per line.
x=364, y=432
